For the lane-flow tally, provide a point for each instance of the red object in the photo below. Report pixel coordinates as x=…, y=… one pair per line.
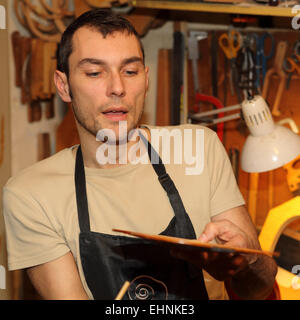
x=218, y=104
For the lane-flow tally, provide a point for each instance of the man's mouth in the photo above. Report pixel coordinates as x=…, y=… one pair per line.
x=116, y=114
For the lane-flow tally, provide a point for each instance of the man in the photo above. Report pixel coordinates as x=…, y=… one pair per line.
x=61, y=230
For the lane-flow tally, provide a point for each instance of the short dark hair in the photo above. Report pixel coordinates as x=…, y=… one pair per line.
x=101, y=20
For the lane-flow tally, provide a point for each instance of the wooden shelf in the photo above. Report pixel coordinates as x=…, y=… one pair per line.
x=242, y=8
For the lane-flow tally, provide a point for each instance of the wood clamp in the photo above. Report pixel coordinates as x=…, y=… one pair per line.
x=276, y=69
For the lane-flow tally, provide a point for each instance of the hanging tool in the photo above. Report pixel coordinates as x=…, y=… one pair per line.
x=193, y=39
x=262, y=57
x=21, y=50
x=245, y=62
x=276, y=69
x=291, y=65
x=194, y=56
x=231, y=43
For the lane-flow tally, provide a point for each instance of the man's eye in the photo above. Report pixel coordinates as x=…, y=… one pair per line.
x=130, y=72
x=93, y=74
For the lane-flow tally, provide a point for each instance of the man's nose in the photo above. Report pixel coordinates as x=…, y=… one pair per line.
x=116, y=85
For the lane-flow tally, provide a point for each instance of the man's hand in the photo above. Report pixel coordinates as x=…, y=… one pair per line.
x=252, y=276
x=221, y=265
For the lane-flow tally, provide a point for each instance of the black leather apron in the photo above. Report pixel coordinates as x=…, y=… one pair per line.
x=109, y=260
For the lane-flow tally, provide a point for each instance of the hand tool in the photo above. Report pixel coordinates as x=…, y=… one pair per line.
x=262, y=57
x=21, y=51
x=231, y=44
x=193, y=39
x=276, y=69
x=49, y=64
x=292, y=64
x=16, y=37
x=246, y=68
x=296, y=48
x=294, y=56
x=199, y=97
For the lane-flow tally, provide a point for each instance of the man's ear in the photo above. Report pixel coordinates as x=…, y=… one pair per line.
x=62, y=86
x=147, y=78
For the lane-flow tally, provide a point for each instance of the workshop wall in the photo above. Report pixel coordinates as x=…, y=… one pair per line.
x=24, y=135
x=22, y=142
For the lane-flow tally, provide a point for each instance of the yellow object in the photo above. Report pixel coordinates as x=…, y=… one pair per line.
x=278, y=218
x=293, y=174
x=231, y=43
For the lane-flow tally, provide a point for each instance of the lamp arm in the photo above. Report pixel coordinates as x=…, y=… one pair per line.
x=221, y=120
x=291, y=122
x=200, y=115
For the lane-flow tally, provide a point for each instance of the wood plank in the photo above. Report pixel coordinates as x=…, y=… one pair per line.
x=248, y=9
x=163, y=104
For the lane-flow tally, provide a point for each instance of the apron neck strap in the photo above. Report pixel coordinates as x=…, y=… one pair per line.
x=81, y=197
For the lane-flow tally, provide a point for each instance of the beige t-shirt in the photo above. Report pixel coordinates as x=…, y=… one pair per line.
x=40, y=208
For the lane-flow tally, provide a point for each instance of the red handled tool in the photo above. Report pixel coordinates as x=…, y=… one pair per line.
x=199, y=97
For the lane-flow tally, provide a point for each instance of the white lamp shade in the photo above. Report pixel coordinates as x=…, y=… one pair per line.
x=270, y=151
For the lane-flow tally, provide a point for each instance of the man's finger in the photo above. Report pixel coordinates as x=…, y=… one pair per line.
x=224, y=230
x=212, y=230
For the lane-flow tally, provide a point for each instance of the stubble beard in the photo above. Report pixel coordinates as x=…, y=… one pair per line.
x=83, y=122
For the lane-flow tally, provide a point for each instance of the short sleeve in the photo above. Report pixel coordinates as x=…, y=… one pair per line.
x=30, y=236
x=224, y=191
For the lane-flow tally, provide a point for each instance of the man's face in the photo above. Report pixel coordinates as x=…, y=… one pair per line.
x=107, y=79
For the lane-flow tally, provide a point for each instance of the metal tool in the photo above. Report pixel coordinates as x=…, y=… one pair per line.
x=262, y=57
x=297, y=47
x=245, y=62
x=288, y=67
x=292, y=64
x=231, y=43
x=194, y=56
